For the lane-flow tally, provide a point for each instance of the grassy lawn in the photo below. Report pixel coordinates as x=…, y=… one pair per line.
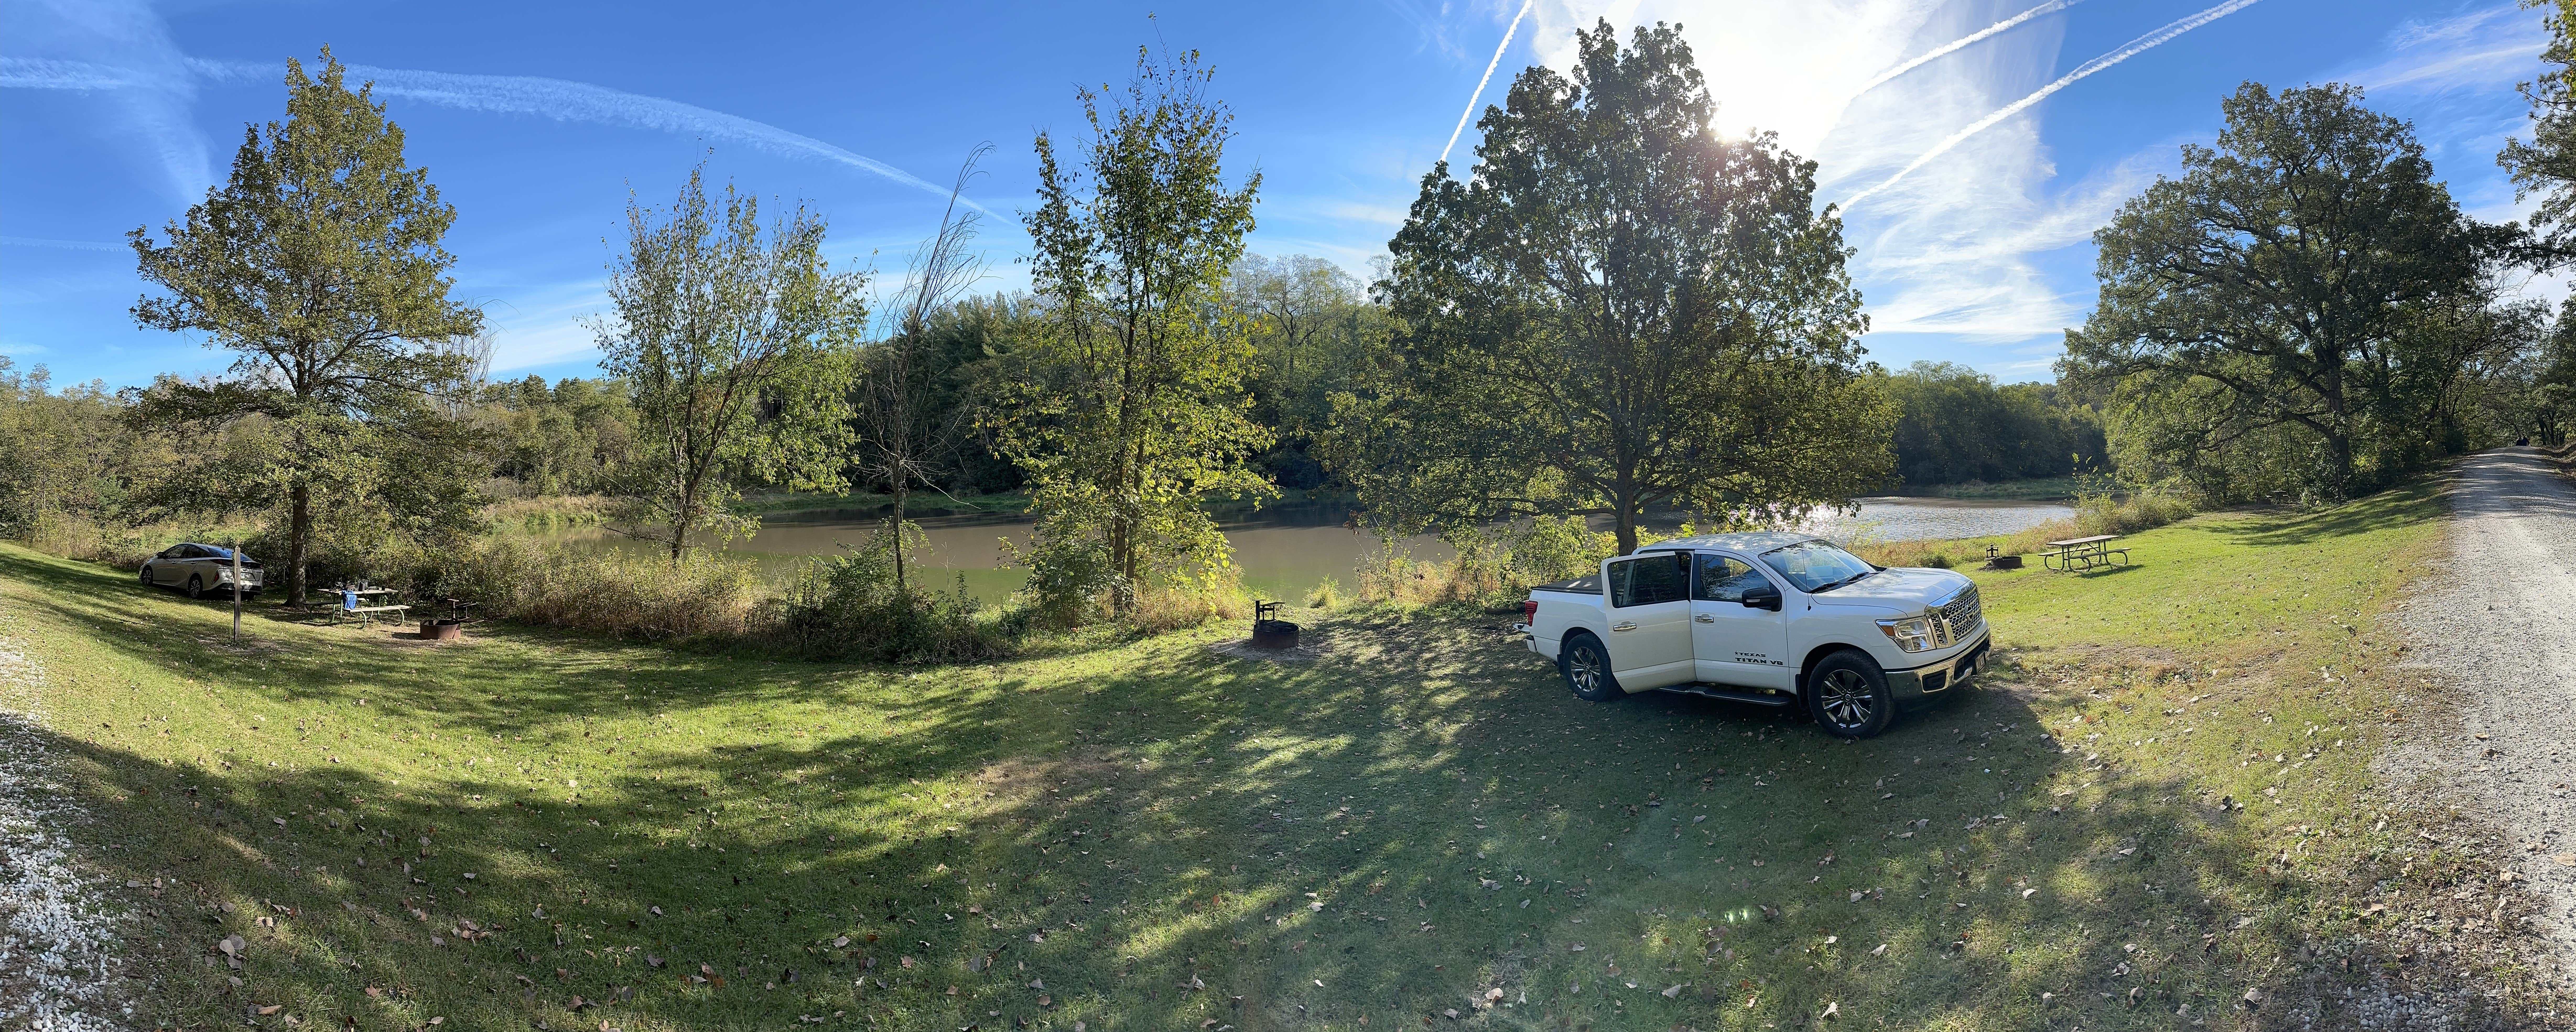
x=534, y=831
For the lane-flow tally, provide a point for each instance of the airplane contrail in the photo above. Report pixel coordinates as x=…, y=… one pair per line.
x=37, y=73
x=1463, y=116
x=564, y=100
x=2051, y=7
x=2135, y=47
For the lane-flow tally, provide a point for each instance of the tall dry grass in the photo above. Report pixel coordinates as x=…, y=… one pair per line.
x=621, y=594
x=552, y=512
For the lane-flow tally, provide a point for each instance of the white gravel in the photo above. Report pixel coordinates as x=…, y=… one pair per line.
x=2499, y=627
x=58, y=941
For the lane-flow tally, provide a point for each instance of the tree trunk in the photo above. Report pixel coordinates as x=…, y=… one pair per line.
x=1627, y=525
x=299, y=539
x=901, y=492
x=681, y=516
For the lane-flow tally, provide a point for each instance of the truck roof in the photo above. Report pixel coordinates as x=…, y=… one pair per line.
x=1753, y=542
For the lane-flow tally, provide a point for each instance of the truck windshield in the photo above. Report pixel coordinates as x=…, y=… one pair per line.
x=1816, y=565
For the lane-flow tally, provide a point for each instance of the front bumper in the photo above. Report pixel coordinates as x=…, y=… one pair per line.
x=1926, y=685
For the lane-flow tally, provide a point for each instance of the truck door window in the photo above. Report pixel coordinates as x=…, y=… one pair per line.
x=1649, y=579
x=1722, y=579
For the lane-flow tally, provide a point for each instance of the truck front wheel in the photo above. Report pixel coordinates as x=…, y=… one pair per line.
x=1586, y=666
x=1848, y=696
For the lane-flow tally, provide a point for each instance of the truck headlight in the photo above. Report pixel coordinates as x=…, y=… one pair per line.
x=1911, y=634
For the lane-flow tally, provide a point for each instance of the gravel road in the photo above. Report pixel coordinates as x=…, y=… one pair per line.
x=58, y=941
x=2500, y=626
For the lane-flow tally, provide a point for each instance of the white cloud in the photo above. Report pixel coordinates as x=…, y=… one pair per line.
x=82, y=46
x=543, y=326
x=60, y=245
x=2489, y=49
x=567, y=101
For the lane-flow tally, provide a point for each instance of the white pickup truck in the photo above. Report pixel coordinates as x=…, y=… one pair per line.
x=1771, y=619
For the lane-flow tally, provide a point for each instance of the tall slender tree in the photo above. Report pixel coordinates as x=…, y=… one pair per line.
x=319, y=265
x=906, y=439
x=739, y=349
x=1134, y=410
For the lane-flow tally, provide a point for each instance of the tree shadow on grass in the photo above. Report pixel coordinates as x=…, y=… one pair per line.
x=2413, y=503
x=1160, y=837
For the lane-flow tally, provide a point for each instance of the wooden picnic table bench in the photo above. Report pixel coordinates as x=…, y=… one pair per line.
x=2084, y=553
x=352, y=602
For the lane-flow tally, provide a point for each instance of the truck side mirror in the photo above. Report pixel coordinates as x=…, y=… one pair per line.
x=1764, y=597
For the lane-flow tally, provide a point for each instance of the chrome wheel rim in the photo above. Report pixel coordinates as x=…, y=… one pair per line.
x=1846, y=699
x=1584, y=669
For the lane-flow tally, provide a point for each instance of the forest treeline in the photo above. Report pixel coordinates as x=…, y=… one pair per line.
x=1613, y=312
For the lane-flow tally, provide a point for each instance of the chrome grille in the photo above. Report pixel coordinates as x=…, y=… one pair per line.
x=1962, y=613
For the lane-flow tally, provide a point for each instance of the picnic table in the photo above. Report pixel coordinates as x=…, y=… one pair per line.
x=354, y=602
x=2084, y=553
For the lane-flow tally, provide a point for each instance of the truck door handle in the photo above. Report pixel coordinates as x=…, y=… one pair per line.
x=1617, y=627
x=1705, y=618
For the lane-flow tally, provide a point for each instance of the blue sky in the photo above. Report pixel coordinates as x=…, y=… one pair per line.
x=536, y=120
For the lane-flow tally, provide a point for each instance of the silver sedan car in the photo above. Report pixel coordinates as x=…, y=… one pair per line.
x=200, y=570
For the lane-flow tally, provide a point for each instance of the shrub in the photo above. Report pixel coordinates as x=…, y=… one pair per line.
x=849, y=605
x=1327, y=595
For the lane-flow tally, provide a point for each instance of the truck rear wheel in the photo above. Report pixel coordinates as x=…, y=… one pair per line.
x=1848, y=695
x=1586, y=666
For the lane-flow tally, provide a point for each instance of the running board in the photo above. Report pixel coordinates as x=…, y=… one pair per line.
x=1754, y=696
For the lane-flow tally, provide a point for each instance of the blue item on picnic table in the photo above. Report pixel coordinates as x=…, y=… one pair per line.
x=349, y=600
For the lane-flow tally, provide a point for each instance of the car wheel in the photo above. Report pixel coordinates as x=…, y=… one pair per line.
x=1848, y=696
x=196, y=586
x=147, y=577
x=1586, y=666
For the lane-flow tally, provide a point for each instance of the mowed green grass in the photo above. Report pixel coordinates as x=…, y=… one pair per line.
x=1153, y=835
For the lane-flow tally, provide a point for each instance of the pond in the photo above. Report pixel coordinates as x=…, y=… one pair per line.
x=1285, y=551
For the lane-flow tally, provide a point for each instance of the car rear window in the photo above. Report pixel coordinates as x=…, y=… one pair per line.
x=1649, y=579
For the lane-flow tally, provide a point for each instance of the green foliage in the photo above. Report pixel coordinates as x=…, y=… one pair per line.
x=68, y=458
x=1618, y=310
x=738, y=350
x=853, y=605
x=1958, y=426
x=318, y=265
x=2545, y=166
x=1128, y=411
x=2293, y=316
x=1314, y=335
x=574, y=437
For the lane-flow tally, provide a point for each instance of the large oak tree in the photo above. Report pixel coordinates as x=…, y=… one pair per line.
x=2290, y=314
x=318, y=265
x=1620, y=310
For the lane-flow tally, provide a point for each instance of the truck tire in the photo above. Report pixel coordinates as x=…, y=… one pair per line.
x=1847, y=695
x=1586, y=666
